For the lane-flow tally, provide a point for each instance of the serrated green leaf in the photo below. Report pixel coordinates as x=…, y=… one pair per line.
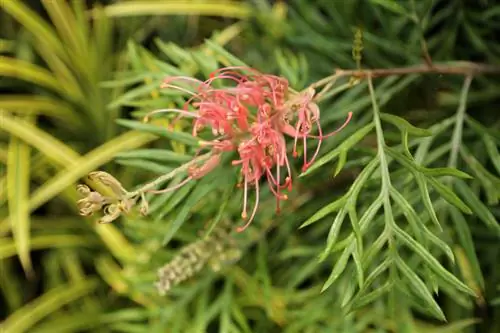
x=364, y=222
x=419, y=287
x=448, y=195
x=417, y=224
x=431, y=261
x=404, y=125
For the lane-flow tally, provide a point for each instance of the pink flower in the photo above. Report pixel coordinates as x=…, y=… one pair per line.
x=251, y=117
x=307, y=113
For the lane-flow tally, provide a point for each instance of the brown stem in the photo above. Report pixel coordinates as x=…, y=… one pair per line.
x=459, y=68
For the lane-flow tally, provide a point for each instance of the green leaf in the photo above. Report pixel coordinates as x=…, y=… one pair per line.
x=199, y=192
x=162, y=155
x=417, y=224
x=18, y=188
x=489, y=182
x=465, y=239
x=178, y=197
x=223, y=56
x=226, y=197
x=8, y=248
x=146, y=165
x=404, y=125
x=344, y=146
x=455, y=327
x=161, y=131
x=358, y=253
x=338, y=268
x=67, y=27
x=36, y=104
x=431, y=261
x=341, y=163
x=439, y=172
x=477, y=207
x=378, y=271
x=181, y=57
x=207, y=8
x=372, y=296
x=416, y=169
x=77, y=167
x=391, y=5
x=493, y=152
x=133, y=94
x=25, y=318
x=325, y=211
x=448, y=195
x=35, y=24
x=419, y=287
x=54, y=149
x=23, y=70
x=333, y=233
x=426, y=198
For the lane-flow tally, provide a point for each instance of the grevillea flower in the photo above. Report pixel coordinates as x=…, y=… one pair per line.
x=252, y=117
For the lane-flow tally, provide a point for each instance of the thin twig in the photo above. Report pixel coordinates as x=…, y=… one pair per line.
x=423, y=43
x=458, y=68
x=170, y=175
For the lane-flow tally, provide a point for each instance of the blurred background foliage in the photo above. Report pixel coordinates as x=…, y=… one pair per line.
x=74, y=76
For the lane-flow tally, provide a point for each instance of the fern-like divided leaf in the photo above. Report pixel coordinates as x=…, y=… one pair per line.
x=382, y=247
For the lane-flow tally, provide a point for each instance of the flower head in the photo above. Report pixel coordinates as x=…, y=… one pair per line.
x=251, y=117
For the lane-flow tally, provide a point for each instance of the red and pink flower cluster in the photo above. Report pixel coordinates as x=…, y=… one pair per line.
x=251, y=117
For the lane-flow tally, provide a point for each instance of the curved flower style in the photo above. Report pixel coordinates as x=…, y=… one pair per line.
x=252, y=117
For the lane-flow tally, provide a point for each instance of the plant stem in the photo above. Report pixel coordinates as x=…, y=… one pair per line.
x=390, y=224
x=456, y=68
x=459, y=124
x=168, y=176
x=423, y=43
